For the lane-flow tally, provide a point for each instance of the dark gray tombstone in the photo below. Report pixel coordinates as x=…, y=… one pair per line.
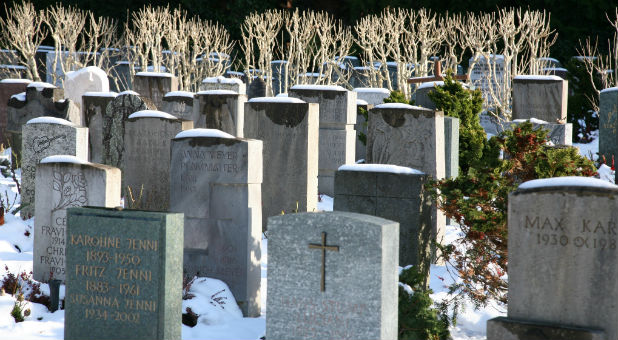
x=8, y=88
x=221, y=110
x=154, y=86
x=608, y=112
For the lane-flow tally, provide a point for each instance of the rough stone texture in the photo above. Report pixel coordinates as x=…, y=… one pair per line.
x=421, y=97
x=289, y=132
x=111, y=256
x=7, y=89
x=61, y=186
x=502, y=328
x=359, y=300
x=487, y=76
x=216, y=183
x=146, y=161
x=337, y=141
x=47, y=139
x=94, y=105
x=361, y=128
x=155, y=87
x=397, y=197
x=223, y=112
x=257, y=88
x=451, y=147
x=178, y=106
x=225, y=85
x=544, y=99
x=373, y=98
x=608, y=111
x=88, y=79
x=562, y=255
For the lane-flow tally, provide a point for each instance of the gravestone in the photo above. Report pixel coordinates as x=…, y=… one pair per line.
x=94, y=105
x=87, y=79
x=222, y=83
x=488, y=76
x=558, y=134
x=421, y=95
x=279, y=72
x=42, y=137
x=179, y=104
x=215, y=180
x=220, y=109
x=542, y=97
x=120, y=76
x=13, y=72
x=337, y=140
x=124, y=274
x=146, y=162
x=562, y=251
x=154, y=85
x=341, y=282
x=63, y=182
x=395, y=193
x=256, y=89
x=608, y=111
x=361, y=128
x=451, y=147
x=372, y=95
x=8, y=88
x=288, y=127
x=556, y=71
x=360, y=77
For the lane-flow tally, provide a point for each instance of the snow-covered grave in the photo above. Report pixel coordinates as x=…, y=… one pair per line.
x=179, y=104
x=154, y=85
x=222, y=83
x=220, y=109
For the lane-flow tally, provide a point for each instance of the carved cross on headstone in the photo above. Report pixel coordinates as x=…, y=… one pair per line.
x=437, y=75
x=324, y=248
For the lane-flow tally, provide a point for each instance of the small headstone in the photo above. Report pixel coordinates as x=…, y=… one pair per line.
x=9, y=88
x=154, y=85
x=120, y=76
x=608, y=113
x=222, y=83
x=179, y=104
x=288, y=128
x=556, y=71
x=488, y=76
x=542, y=97
x=216, y=182
x=220, y=109
x=421, y=95
x=88, y=79
x=256, y=89
x=63, y=182
x=94, y=105
x=42, y=137
x=341, y=282
x=146, y=161
x=124, y=274
x=561, y=255
x=372, y=95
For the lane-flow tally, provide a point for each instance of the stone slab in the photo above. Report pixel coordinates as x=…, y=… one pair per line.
x=8, y=89
x=154, y=87
x=94, y=105
x=608, y=111
x=545, y=99
x=223, y=112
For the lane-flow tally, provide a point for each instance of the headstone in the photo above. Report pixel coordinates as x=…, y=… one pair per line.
x=179, y=104
x=288, y=127
x=562, y=252
x=256, y=89
x=154, y=85
x=542, y=97
x=124, y=274
x=279, y=76
x=451, y=147
x=63, y=182
x=8, y=88
x=395, y=193
x=94, y=105
x=556, y=71
x=608, y=111
x=341, y=282
x=488, y=76
x=361, y=128
x=421, y=95
x=146, y=162
x=13, y=72
x=42, y=137
x=222, y=83
x=88, y=79
x=558, y=134
x=216, y=182
x=220, y=109
x=361, y=77
x=372, y=95
x=337, y=141
x=120, y=76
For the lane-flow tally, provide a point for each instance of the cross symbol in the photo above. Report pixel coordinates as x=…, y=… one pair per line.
x=324, y=248
x=437, y=75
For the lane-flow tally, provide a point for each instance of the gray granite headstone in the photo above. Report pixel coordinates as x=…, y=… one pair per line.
x=179, y=104
x=373, y=96
x=256, y=89
x=215, y=180
x=559, y=134
x=146, y=162
x=220, y=109
x=279, y=76
x=8, y=88
x=94, y=105
x=608, y=111
x=451, y=147
x=42, y=137
x=222, y=83
x=332, y=275
x=541, y=97
x=421, y=95
x=154, y=86
x=124, y=274
x=562, y=255
x=288, y=128
x=63, y=182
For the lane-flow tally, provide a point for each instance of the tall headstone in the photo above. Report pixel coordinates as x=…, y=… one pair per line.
x=215, y=180
x=372, y=95
x=337, y=141
x=42, y=137
x=220, y=109
x=179, y=104
x=279, y=76
x=154, y=85
x=288, y=127
x=8, y=88
x=488, y=75
x=608, y=112
x=146, y=161
x=64, y=182
x=347, y=264
x=124, y=274
x=94, y=105
x=222, y=83
x=542, y=97
x=562, y=255
x=87, y=79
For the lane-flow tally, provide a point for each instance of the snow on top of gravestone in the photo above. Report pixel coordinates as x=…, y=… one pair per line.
x=179, y=94
x=15, y=81
x=532, y=120
x=318, y=87
x=222, y=80
x=372, y=90
x=128, y=92
x=50, y=120
x=395, y=169
x=536, y=77
x=203, y=133
x=100, y=94
x=217, y=92
x=361, y=102
x=555, y=69
x=154, y=74
x=609, y=89
x=279, y=62
x=63, y=159
x=283, y=94
x=152, y=114
x=91, y=70
x=569, y=181
x=39, y=85
x=430, y=84
x=276, y=100
x=20, y=96
x=398, y=106
x=549, y=59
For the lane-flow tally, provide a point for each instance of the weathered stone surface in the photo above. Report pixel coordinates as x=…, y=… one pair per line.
x=94, y=105
x=608, y=111
x=361, y=129
x=8, y=88
x=131, y=261
x=216, y=183
x=221, y=110
x=451, y=147
x=222, y=83
x=508, y=329
x=421, y=95
x=42, y=137
x=179, y=104
x=88, y=79
x=542, y=97
x=62, y=185
x=347, y=290
x=289, y=131
x=154, y=86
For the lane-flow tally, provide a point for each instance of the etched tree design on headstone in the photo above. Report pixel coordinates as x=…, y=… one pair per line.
x=71, y=188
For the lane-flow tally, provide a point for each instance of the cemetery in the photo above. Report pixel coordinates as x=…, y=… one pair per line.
x=299, y=174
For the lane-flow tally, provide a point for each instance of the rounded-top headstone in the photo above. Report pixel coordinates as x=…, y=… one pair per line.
x=90, y=78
